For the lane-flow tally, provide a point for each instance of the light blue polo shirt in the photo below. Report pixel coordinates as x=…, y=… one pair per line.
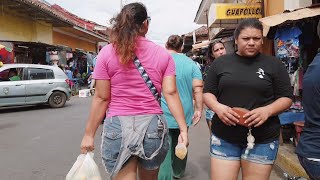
x=186, y=71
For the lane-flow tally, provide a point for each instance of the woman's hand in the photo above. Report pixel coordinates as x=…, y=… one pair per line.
x=183, y=138
x=257, y=116
x=196, y=117
x=227, y=115
x=87, y=144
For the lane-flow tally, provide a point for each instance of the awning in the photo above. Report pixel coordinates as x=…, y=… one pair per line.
x=203, y=44
x=226, y=15
x=227, y=32
x=277, y=19
x=32, y=44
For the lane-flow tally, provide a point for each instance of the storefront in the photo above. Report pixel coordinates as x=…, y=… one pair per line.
x=25, y=52
x=228, y=15
x=6, y=52
x=295, y=42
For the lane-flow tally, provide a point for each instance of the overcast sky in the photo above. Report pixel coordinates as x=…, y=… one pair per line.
x=167, y=16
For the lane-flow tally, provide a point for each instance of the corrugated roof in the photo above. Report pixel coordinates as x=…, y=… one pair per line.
x=64, y=15
x=203, y=30
x=46, y=8
x=87, y=24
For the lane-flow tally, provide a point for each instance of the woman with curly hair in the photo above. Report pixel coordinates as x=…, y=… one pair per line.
x=130, y=75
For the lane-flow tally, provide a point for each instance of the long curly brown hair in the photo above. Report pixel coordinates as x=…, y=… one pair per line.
x=126, y=27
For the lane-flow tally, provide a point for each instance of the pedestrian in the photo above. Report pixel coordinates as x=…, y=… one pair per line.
x=308, y=148
x=189, y=84
x=215, y=50
x=130, y=74
x=258, y=83
x=91, y=80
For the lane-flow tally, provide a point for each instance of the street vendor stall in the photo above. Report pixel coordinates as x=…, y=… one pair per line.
x=295, y=43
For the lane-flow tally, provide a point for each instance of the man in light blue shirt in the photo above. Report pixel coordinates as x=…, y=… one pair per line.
x=189, y=84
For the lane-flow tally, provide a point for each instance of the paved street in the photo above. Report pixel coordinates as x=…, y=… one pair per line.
x=40, y=143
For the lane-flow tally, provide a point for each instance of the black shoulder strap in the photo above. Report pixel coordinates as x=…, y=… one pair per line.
x=147, y=79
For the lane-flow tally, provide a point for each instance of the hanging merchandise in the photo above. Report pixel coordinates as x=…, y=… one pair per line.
x=287, y=47
x=296, y=81
x=6, y=54
x=69, y=55
x=89, y=59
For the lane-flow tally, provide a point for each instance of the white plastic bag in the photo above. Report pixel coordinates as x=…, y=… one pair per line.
x=84, y=168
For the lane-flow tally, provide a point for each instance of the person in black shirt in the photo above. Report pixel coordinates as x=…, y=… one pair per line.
x=215, y=50
x=258, y=83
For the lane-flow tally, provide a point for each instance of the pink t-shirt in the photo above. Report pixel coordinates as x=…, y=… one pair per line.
x=129, y=93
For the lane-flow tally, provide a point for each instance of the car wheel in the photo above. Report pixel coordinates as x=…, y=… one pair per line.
x=57, y=99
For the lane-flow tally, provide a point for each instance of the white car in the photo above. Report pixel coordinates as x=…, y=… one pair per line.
x=26, y=84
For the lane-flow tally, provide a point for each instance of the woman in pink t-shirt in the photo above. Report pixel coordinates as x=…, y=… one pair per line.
x=135, y=134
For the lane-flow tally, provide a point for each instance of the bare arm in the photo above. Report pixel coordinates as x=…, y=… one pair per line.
x=279, y=106
x=258, y=116
x=171, y=95
x=98, y=109
x=210, y=101
x=197, y=93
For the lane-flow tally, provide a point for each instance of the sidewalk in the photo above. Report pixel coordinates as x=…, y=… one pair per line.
x=288, y=161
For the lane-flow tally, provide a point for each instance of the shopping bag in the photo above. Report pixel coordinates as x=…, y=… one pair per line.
x=84, y=168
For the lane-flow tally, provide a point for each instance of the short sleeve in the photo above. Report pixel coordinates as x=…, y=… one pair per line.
x=211, y=82
x=281, y=82
x=196, y=73
x=171, y=67
x=101, y=70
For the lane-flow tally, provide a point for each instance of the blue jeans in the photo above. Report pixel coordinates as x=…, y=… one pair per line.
x=312, y=167
x=261, y=153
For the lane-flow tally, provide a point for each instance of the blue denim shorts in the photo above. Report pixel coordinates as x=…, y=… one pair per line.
x=209, y=114
x=112, y=143
x=261, y=153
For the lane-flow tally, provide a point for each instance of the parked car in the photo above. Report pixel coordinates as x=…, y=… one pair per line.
x=26, y=84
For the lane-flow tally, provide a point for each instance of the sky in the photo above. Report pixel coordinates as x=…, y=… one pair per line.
x=167, y=16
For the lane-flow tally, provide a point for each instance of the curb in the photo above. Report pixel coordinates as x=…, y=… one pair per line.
x=288, y=161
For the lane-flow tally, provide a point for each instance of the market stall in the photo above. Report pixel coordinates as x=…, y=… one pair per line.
x=295, y=42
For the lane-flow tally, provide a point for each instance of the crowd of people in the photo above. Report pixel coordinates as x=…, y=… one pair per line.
x=151, y=95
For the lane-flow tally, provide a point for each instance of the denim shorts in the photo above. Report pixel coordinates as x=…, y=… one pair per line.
x=312, y=167
x=209, y=114
x=112, y=144
x=261, y=153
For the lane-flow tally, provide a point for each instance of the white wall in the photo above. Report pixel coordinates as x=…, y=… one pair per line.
x=296, y=4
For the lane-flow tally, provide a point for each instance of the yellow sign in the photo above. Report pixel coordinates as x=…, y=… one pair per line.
x=237, y=11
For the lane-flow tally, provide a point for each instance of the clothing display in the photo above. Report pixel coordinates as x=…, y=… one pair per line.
x=287, y=47
x=296, y=81
x=6, y=53
x=247, y=83
x=69, y=55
